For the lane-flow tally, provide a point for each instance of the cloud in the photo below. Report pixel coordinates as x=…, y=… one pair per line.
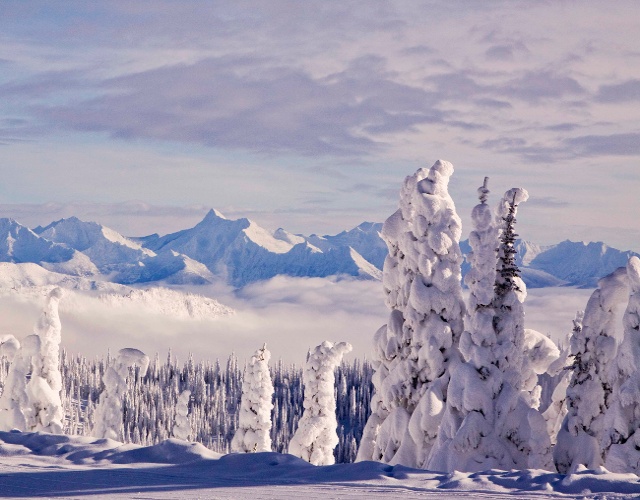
x=534, y=86
x=604, y=145
x=628, y=91
x=289, y=314
x=245, y=104
x=551, y=310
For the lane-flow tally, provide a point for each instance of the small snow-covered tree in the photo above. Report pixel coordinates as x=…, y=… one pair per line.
x=16, y=410
x=182, y=426
x=413, y=351
x=559, y=376
x=254, y=423
x=620, y=435
x=589, y=392
x=316, y=436
x=108, y=414
x=490, y=420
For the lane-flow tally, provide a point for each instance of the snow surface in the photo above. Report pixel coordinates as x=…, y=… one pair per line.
x=44, y=465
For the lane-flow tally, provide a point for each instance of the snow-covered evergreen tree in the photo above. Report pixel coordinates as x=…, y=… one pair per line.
x=109, y=412
x=589, y=392
x=422, y=283
x=254, y=422
x=182, y=426
x=489, y=420
x=16, y=410
x=45, y=382
x=316, y=436
x=559, y=376
x=620, y=436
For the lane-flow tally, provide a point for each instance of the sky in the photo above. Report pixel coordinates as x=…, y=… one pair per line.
x=308, y=115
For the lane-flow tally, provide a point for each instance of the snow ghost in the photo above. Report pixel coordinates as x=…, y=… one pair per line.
x=108, y=415
x=316, y=436
x=413, y=351
x=254, y=423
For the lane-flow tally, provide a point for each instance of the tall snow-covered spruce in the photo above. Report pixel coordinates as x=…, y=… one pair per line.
x=254, y=422
x=413, y=351
x=46, y=382
x=108, y=416
x=489, y=420
x=316, y=436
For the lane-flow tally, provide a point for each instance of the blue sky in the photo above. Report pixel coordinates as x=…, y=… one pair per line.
x=308, y=115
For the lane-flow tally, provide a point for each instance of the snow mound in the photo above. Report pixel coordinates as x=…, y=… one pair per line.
x=45, y=465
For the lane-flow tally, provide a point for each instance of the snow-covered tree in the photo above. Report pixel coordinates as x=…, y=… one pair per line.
x=9, y=346
x=16, y=410
x=490, y=420
x=620, y=436
x=46, y=382
x=316, y=436
x=589, y=392
x=559, y=376
x=108, y=415
x=422, y=283
x=182, y=426
x=254, y=422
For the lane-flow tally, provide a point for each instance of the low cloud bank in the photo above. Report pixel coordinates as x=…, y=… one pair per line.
x=290, y=314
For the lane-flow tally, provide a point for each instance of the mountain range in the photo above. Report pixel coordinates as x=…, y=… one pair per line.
x=240, y=252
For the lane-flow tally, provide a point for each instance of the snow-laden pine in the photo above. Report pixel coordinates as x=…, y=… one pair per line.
x=254, y=423
x=620, y=437
x=108, y=423
x=46, y=382
x=558, y=377
x=316, y=436
x=182, y=426
x=422, y=283
x=16, y=410
x=489, y=420
x=589, y=393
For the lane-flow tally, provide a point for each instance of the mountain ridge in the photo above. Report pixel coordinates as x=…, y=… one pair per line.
x=240, y=252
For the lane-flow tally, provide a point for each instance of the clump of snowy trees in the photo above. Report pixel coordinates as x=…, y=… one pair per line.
x=469, y=387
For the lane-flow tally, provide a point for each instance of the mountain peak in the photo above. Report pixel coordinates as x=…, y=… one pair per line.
x=213, y=214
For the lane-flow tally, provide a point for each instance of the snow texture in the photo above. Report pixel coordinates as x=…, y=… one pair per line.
x=422, y=283
x=37, y=465
x=589, y=393
x=108, y=423
x=254, y=421
x=316, y=436
x=182, y=426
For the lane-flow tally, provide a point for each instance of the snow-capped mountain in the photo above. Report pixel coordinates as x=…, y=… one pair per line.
x=581, y=264
x=106, y=248
x=20, y=244
x=240, y=252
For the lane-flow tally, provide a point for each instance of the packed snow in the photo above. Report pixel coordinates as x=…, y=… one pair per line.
x=44, y=465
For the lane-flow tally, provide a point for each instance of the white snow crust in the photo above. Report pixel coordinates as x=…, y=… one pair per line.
x=42, y=465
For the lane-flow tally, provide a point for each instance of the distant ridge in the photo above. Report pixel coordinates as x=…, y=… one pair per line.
x=239, y=252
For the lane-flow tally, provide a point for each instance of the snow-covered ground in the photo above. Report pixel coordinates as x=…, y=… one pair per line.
x=44, y=465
